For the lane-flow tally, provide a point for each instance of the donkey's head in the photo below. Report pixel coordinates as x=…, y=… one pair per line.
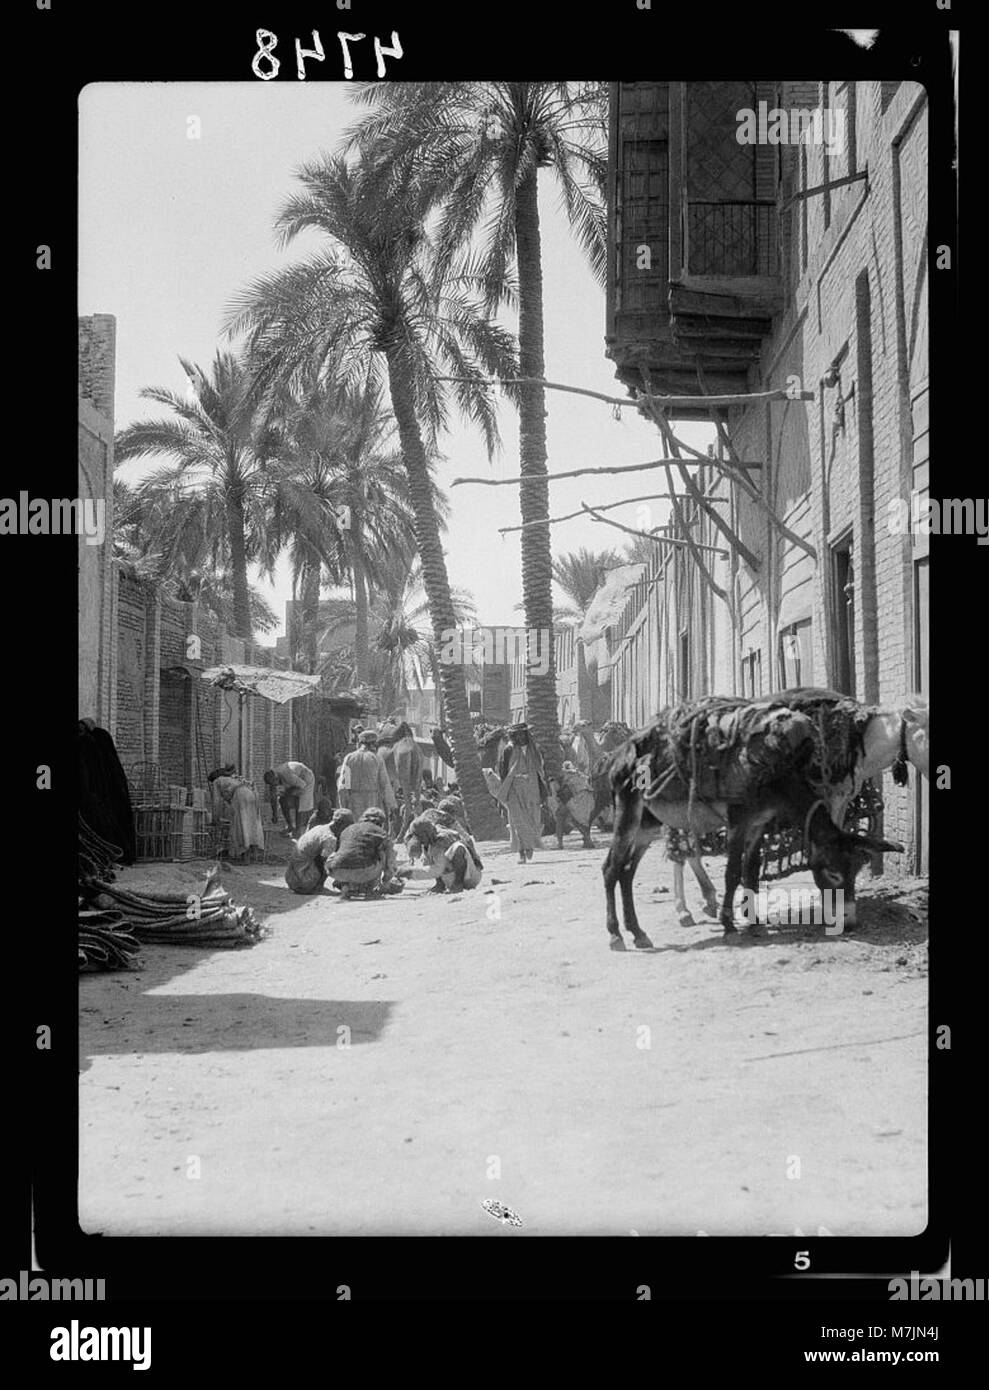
x=836, y=856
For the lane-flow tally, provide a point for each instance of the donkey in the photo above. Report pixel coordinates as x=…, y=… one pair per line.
x=834, y=855
x=893, y=738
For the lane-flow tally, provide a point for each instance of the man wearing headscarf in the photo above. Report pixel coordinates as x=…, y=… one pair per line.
x=448, y=856
x=364, y=780
x=453, y=812
x=523, y=790
x=294, y=785
x=365, y=861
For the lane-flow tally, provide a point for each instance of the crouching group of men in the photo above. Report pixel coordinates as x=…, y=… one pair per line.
x=360, y=859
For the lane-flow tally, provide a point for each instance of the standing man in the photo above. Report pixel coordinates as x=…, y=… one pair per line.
x=294, y=784
x=523, y=790
x=364, y=780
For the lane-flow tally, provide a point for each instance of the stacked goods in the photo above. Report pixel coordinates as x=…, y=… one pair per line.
x=97, y=858
x=105, y=941
x=113, y=921
x=721, y=748
x=180, y=919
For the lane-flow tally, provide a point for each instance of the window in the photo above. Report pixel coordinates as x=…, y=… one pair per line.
x=684, y=664
x=803, y=207
x=844, y=129
x=843, y=609
x=825, y=153
x=796, y=661
x=752, y=674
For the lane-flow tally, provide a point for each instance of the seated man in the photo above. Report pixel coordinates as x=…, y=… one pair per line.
x=453, y=813
x=365, y=862
x=450, y=857
x=306, y=869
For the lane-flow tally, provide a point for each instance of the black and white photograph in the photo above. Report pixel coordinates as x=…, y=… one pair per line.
x=504, y=530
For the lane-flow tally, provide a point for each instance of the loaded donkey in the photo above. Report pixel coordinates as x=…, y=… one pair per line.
x=798, y=757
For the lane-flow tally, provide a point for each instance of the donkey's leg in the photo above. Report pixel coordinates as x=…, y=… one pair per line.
x=706, y=886
x=625, y=879
x=610, y=879
x=623, y=844
x=680, y=895
x=733, y=872
x=751, y=864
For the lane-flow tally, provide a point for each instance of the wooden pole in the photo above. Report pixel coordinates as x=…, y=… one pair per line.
x=607, y=507
x=662, y=402
x=582, y=472
x=752, y=492
x=655, y=414
x=652, y=536
x=671, y=443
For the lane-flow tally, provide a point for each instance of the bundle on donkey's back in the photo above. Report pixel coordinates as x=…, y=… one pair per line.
x=796, y=757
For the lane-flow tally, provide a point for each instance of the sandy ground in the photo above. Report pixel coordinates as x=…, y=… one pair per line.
x=385, y=1067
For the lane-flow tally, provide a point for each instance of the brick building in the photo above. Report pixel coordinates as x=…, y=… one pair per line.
x=802, y=267
x=97, y=589
x=579, y=694
x=166, y=714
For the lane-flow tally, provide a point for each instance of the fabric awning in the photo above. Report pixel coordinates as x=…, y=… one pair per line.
x=604, y=611
x=269, y=683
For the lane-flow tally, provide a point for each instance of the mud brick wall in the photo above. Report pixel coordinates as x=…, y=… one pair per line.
x=165, y=713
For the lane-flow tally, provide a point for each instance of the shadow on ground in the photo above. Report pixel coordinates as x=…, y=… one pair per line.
x=231, y=1023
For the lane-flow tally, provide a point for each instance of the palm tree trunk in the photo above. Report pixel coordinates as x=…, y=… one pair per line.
x=537, y=575
x=359, y=573
x=310, y=615
x=238, y=562
x=485, y=821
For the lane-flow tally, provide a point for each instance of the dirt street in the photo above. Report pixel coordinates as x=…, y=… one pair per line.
x=385, y=1067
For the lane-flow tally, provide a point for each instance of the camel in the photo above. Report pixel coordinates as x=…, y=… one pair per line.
x=403, y=763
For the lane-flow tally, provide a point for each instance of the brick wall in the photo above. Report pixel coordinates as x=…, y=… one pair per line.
x=166, y=714
x=97, y=618
x=856, y=302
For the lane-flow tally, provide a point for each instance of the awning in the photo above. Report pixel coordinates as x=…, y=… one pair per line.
x=270, y=684
x=604, y=611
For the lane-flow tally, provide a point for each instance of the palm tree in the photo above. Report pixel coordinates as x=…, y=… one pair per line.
x=173, y=539
x=402, y=657
x=484, y=144
x=339, y=500
x=372, y=307
x=220, y=455
x=400, y=612
x=581, y=573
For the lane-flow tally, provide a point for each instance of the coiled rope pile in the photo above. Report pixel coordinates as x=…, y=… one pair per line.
x=114, y=921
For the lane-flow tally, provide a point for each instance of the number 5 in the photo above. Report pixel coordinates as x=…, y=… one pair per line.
x=802, y=1260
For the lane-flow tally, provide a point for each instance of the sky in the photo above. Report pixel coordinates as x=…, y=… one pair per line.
x=172, y=228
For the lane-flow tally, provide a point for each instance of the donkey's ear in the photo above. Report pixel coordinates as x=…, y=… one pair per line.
x=873, y=844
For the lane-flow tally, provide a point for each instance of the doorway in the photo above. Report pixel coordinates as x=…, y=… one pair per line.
x=843, y=609
x=921, y=608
